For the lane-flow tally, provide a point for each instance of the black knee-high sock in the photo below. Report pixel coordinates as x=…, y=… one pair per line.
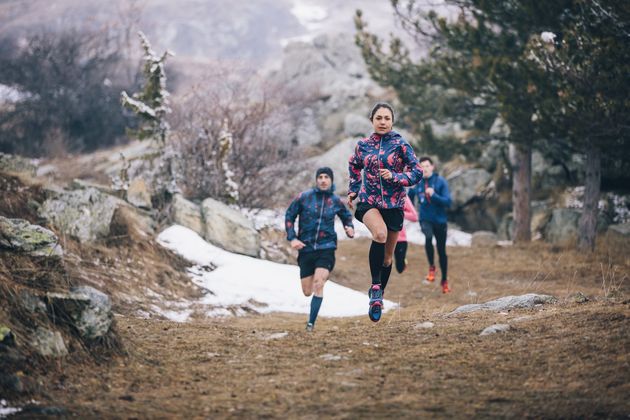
x=385, y=272
x=377, y=255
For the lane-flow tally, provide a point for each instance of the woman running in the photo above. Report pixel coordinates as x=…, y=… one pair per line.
x=383, y=157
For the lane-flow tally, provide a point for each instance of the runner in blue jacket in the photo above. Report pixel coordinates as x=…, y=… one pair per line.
x=434, y=198
x=316, y=240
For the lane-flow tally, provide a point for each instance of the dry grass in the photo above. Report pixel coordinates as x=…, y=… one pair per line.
x=562, y=360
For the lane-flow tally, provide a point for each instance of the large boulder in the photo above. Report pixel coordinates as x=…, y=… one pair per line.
x=562, y=228
x=84, y=214
x=20, y=236
x=466, y=184
x=186, y=213
x=89, y=309
x=229, y=229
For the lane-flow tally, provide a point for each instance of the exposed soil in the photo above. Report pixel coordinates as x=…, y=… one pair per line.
x=567, y=359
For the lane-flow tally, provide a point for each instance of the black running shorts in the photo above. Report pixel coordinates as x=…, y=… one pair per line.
x=393, y=218
x=309, y=261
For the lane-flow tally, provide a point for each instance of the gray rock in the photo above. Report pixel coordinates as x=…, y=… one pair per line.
x=507, y=303
x=491, y=154
x=424, y=325
x=620, y=231
x=229, y=229
x=496, y=328
x=31, y=302
x=7, y=337
x=83, y=214
x=466, y=184
x=17, y=164
x=20, y=236
x=483, y=239
x=90, y=310
x=579, y=297
x=48, y=343
x=138, y=194
x=186, y=213
x=355, y=125
x=562, y=228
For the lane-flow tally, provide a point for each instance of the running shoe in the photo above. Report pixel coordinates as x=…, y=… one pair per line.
x=445, y=288
x=431, y=276
x=309, y=327
x=404, y=266
x=376, y=302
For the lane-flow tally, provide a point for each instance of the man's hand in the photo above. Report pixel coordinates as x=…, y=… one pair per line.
x=349, y=231
x=297, y=244
x=351, y=196
x=430, y=191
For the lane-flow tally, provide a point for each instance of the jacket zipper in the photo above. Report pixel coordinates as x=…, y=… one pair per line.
x=319, y=223
x=380, y=179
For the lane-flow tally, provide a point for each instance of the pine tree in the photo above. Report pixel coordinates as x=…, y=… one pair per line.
x=480, y=61
x=589, y=64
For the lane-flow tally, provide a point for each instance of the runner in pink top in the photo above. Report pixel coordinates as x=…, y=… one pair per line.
x=400, y=253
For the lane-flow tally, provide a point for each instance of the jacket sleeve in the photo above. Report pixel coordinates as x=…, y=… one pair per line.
x=289, y=217
x=355, y=164
x=414, y=175
x=344, y=214
x=412, y=194
x=410, y=211
x=442, y=195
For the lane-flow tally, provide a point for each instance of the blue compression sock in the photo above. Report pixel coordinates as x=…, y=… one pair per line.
x=316, y=303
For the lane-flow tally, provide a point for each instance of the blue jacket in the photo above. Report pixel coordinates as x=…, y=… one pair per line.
x=389, y=151
x=432, y=209
x=317, y=210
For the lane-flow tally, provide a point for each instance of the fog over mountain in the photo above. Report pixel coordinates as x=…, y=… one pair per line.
x=199, y=30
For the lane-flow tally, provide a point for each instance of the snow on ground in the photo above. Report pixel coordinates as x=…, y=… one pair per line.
x=263, y=286
x=5, y=410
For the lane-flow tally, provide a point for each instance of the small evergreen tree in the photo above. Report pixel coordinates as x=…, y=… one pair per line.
x=152, y=104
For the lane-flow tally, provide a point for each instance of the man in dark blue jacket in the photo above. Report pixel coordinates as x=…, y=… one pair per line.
x=434, y=198
x=316, y=240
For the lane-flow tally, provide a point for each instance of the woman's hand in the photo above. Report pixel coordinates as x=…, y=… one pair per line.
x=385, y=174
x=349, y=231
x=297, y=244
x=351, y=196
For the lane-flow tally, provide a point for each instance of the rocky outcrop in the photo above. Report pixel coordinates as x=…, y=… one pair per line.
x=466, y=184
x=229, y=229
x=84, y=214
x=507, y=303
x=89, y=309
x=17, y=164
x=331, y=68
x=19, y=235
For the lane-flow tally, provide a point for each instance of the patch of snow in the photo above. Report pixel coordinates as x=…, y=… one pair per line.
x=238, y=280
x=308, y=14
x=177, y=316
x=548, y=37
x=5, y=410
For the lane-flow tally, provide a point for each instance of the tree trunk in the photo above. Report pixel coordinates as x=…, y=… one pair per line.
x=521, y=160
x=587, y=227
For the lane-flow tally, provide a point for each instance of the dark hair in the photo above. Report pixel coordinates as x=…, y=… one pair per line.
x=380, y=105
x=424, y=158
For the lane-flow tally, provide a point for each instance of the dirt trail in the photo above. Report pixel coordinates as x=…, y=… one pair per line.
x=561, y=360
